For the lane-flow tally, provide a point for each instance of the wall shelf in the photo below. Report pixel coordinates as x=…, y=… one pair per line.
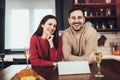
x=99, y=12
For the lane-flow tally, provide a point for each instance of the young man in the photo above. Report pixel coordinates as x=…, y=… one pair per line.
x=79, y=40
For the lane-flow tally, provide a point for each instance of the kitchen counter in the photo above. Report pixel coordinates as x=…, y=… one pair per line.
x=115, y=57
x=11, y=56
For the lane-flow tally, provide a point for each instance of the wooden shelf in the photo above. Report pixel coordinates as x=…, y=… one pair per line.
x=88, y=17
x=96, y=12
x=95, y=4
x=107, y=30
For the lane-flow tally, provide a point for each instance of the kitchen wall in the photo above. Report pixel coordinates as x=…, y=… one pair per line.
x=112, y=37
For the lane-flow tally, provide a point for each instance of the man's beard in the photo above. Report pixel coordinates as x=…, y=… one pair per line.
x=77, y=24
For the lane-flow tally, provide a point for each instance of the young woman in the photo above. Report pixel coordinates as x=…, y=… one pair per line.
x=46, y=44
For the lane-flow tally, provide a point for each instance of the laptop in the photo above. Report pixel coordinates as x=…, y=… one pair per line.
x=73, y=67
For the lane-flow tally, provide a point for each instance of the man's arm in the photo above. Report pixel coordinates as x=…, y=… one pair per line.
x=67, y=49
x=91, y=45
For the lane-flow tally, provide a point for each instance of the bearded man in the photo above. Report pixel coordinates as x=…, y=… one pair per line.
x=79, y=39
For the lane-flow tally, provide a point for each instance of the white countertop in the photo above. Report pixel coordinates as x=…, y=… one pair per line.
x=114, y=57
x=11, y=56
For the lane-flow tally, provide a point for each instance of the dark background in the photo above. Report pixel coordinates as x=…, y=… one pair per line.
x=2, y=25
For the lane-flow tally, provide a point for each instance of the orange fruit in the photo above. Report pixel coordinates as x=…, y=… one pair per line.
x=117, y=52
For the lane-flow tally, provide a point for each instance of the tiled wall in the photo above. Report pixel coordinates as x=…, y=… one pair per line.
x=112, y=37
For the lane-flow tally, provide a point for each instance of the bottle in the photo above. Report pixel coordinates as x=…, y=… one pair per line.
x=115, y=47
x=108, y=12
x=101, y=12
x=85, y=12
x=103, y=26
x=97, y=26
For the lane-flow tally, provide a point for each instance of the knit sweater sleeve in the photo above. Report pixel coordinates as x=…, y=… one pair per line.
x=66, y=48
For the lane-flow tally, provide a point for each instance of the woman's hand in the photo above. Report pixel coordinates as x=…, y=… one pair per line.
x=55, y=64
x=50, y=40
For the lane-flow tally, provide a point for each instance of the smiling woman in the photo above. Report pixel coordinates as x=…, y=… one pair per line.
x=46, y=44
x=22, y=19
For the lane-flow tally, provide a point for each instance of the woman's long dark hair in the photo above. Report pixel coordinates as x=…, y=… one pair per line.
x=39, y=31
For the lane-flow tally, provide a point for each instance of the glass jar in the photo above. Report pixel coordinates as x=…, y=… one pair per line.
x=108, y=12
x=76, y=1
x=108, y=1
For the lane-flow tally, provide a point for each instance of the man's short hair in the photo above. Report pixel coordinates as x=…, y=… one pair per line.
x=75, y=8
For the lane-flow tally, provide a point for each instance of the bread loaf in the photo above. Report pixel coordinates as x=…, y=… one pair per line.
x=27, y=74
